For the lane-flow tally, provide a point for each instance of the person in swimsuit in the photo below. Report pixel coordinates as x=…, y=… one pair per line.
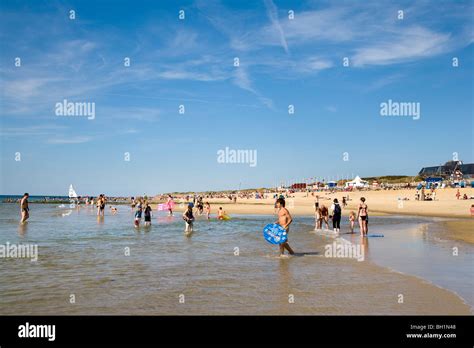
x=188, y=218
x=317, y=216
x=169, y=202
x=97, y=204
x=324, y=216
x=138, y=213
x=208, y=210
x=147, y=215
x=352, y=221
x=200, y=205
x=362, y=216
x=24, y=209
x=220, y=214
x=336, y=215
x=102, y=204
x=284, y=220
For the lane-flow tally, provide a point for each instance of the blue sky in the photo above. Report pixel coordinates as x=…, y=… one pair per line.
x=190, y=62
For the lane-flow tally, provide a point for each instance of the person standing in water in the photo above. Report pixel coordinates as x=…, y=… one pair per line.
x=101, y=205
x=324, y=216
x=284, y=220
x=362, y=216
x=188, y=218
x=208, y=210
x=138, y=213
x=170, y=203
x=336, y=215
x=221, y=214
x=147, y=215
x=317, y=216
x=352, y=221
x=24, y=209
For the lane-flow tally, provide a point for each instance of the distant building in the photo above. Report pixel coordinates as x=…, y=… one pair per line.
x=298, y=186
x=454, y=170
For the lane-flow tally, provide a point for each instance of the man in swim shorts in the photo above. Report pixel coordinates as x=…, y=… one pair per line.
x=24, y=208
x=284, y=220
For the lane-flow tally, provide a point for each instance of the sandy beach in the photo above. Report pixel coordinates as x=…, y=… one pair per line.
x=383, y=202
x=379, y=202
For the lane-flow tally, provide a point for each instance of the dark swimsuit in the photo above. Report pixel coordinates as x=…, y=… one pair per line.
x=147, y=215
x=363, y=217
x=189, y=215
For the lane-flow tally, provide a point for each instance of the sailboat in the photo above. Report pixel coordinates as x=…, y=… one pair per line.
x=72, y=192
x=72, y=198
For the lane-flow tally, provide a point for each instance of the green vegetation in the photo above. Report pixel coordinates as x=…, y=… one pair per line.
x=392, y=179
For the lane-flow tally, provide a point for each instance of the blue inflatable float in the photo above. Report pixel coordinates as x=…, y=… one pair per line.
x=275, y=234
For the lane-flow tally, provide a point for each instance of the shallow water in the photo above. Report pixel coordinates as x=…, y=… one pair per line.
x=84, y=256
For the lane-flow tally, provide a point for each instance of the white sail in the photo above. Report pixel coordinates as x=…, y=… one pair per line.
x=72, y=193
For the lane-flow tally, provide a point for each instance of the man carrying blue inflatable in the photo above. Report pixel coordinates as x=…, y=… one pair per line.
x=284, y=220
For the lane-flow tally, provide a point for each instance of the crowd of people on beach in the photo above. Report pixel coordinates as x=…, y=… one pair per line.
x=334, y=213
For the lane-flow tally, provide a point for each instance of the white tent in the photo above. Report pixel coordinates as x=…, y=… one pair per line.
x=357, y=182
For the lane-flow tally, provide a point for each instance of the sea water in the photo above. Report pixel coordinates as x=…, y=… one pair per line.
x=104, y=265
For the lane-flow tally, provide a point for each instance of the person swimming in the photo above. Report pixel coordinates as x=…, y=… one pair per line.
x=208, y=210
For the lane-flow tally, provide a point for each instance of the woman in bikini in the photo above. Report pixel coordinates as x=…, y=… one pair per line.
x=362, y=216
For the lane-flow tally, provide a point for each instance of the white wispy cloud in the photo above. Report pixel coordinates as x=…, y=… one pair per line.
x=242, y=80
x=272, y=13
x=34, y=130
x=410, y=44
x=69, y=140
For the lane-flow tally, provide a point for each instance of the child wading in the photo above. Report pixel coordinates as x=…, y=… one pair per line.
x=138, y=213
x=147, y=215
x=188, y=218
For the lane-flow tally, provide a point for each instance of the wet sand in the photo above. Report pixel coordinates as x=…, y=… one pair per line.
x=462, y=230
